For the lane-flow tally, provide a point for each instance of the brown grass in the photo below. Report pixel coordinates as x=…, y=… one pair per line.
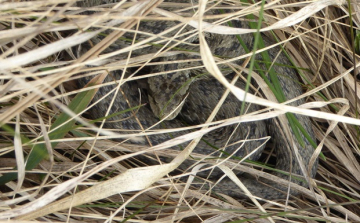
x=83, y=172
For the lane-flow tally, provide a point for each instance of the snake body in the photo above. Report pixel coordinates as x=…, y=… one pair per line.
x=188, y=79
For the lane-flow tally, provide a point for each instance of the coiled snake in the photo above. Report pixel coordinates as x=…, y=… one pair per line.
x=186, y=80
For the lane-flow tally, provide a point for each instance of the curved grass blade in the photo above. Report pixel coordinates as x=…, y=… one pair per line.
x=39, y=151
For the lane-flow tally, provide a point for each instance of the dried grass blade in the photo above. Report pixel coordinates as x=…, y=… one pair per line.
x=39, y=152
x=131, y=180
x=45, y=51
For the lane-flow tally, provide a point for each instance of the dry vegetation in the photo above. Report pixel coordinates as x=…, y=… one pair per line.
x=82, y=172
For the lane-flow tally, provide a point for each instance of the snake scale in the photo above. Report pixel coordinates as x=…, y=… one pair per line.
x=186, y=80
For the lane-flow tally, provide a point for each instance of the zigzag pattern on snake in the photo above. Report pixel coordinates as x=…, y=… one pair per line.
x=187, y=79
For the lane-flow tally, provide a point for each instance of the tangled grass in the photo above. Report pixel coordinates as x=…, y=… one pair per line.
x=92, y=177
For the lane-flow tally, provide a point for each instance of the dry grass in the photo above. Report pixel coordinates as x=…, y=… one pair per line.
x=37, y=87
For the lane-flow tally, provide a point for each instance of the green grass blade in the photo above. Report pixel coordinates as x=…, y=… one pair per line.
x=39, y=151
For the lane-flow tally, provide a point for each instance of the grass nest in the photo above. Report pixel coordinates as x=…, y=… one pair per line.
x=57, y=165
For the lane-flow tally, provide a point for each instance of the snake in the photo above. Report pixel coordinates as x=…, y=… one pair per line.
x=182, y=93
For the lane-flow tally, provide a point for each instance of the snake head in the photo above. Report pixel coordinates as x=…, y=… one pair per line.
x=167, y=93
